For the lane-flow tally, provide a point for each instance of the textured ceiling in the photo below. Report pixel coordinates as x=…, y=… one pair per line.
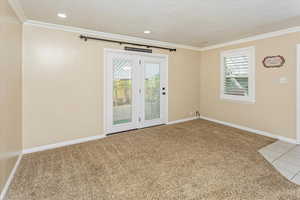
x=197, y=23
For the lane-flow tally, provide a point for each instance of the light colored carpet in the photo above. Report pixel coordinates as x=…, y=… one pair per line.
x=190, y=161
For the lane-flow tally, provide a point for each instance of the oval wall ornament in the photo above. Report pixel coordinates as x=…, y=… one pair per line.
x=273, y=61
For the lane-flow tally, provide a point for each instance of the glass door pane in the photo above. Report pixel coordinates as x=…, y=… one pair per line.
x=152, y=91
x=136, y=91
x=122, y=90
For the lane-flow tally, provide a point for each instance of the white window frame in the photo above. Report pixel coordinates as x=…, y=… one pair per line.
x=250, y=52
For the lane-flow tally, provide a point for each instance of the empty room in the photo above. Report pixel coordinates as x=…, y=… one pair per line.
x=149, y=100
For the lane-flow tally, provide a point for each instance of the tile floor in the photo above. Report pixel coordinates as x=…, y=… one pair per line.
x=285, y=157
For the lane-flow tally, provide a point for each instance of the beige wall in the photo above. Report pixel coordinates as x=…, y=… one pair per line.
x=63, y=86
x=63, y=80
x=275, y=106
x=10, y=90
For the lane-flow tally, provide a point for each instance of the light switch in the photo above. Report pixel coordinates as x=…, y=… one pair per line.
x=283, y=80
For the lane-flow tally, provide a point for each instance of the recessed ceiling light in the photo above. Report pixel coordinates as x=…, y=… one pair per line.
x=62, y=15
x=147, y=32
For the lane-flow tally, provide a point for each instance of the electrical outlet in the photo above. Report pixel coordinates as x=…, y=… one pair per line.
x=195, y=113
x=283, y=80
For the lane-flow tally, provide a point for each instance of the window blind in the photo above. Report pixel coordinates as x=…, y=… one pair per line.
x=236, y=70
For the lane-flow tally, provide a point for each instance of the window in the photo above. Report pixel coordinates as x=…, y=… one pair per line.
x=238, y=74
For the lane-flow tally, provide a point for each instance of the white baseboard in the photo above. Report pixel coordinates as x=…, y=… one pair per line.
x=86, y=139
x=82, y=140
x=62, y=144
x=182, y=120
x=259, y=132
x=10, y=178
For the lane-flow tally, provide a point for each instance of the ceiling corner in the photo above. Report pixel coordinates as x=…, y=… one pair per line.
x=16, y=6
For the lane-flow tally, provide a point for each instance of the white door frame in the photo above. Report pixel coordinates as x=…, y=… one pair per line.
x=104, y=97
x=298, y=95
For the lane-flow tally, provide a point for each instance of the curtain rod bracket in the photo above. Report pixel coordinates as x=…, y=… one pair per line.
x=83, y=37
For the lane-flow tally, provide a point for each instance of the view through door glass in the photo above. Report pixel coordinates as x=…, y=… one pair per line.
x=152, y=91
x=122, y=90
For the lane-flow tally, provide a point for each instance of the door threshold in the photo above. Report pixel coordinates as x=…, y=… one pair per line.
x=110, y=134
x=116, y=133
x=153, y=126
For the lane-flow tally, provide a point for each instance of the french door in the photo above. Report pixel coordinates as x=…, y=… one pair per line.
x=136, y=90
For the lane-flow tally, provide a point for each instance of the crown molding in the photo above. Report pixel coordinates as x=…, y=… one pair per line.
x=108, y=35
x=16, y=6
x=254, y=38
x=20, y=13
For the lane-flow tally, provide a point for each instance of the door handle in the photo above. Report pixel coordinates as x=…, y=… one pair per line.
x=164, y=93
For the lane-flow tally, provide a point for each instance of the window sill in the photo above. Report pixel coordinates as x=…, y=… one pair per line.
x=238, y=100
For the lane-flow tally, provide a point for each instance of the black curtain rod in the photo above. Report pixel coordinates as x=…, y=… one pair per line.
x=85, y=38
